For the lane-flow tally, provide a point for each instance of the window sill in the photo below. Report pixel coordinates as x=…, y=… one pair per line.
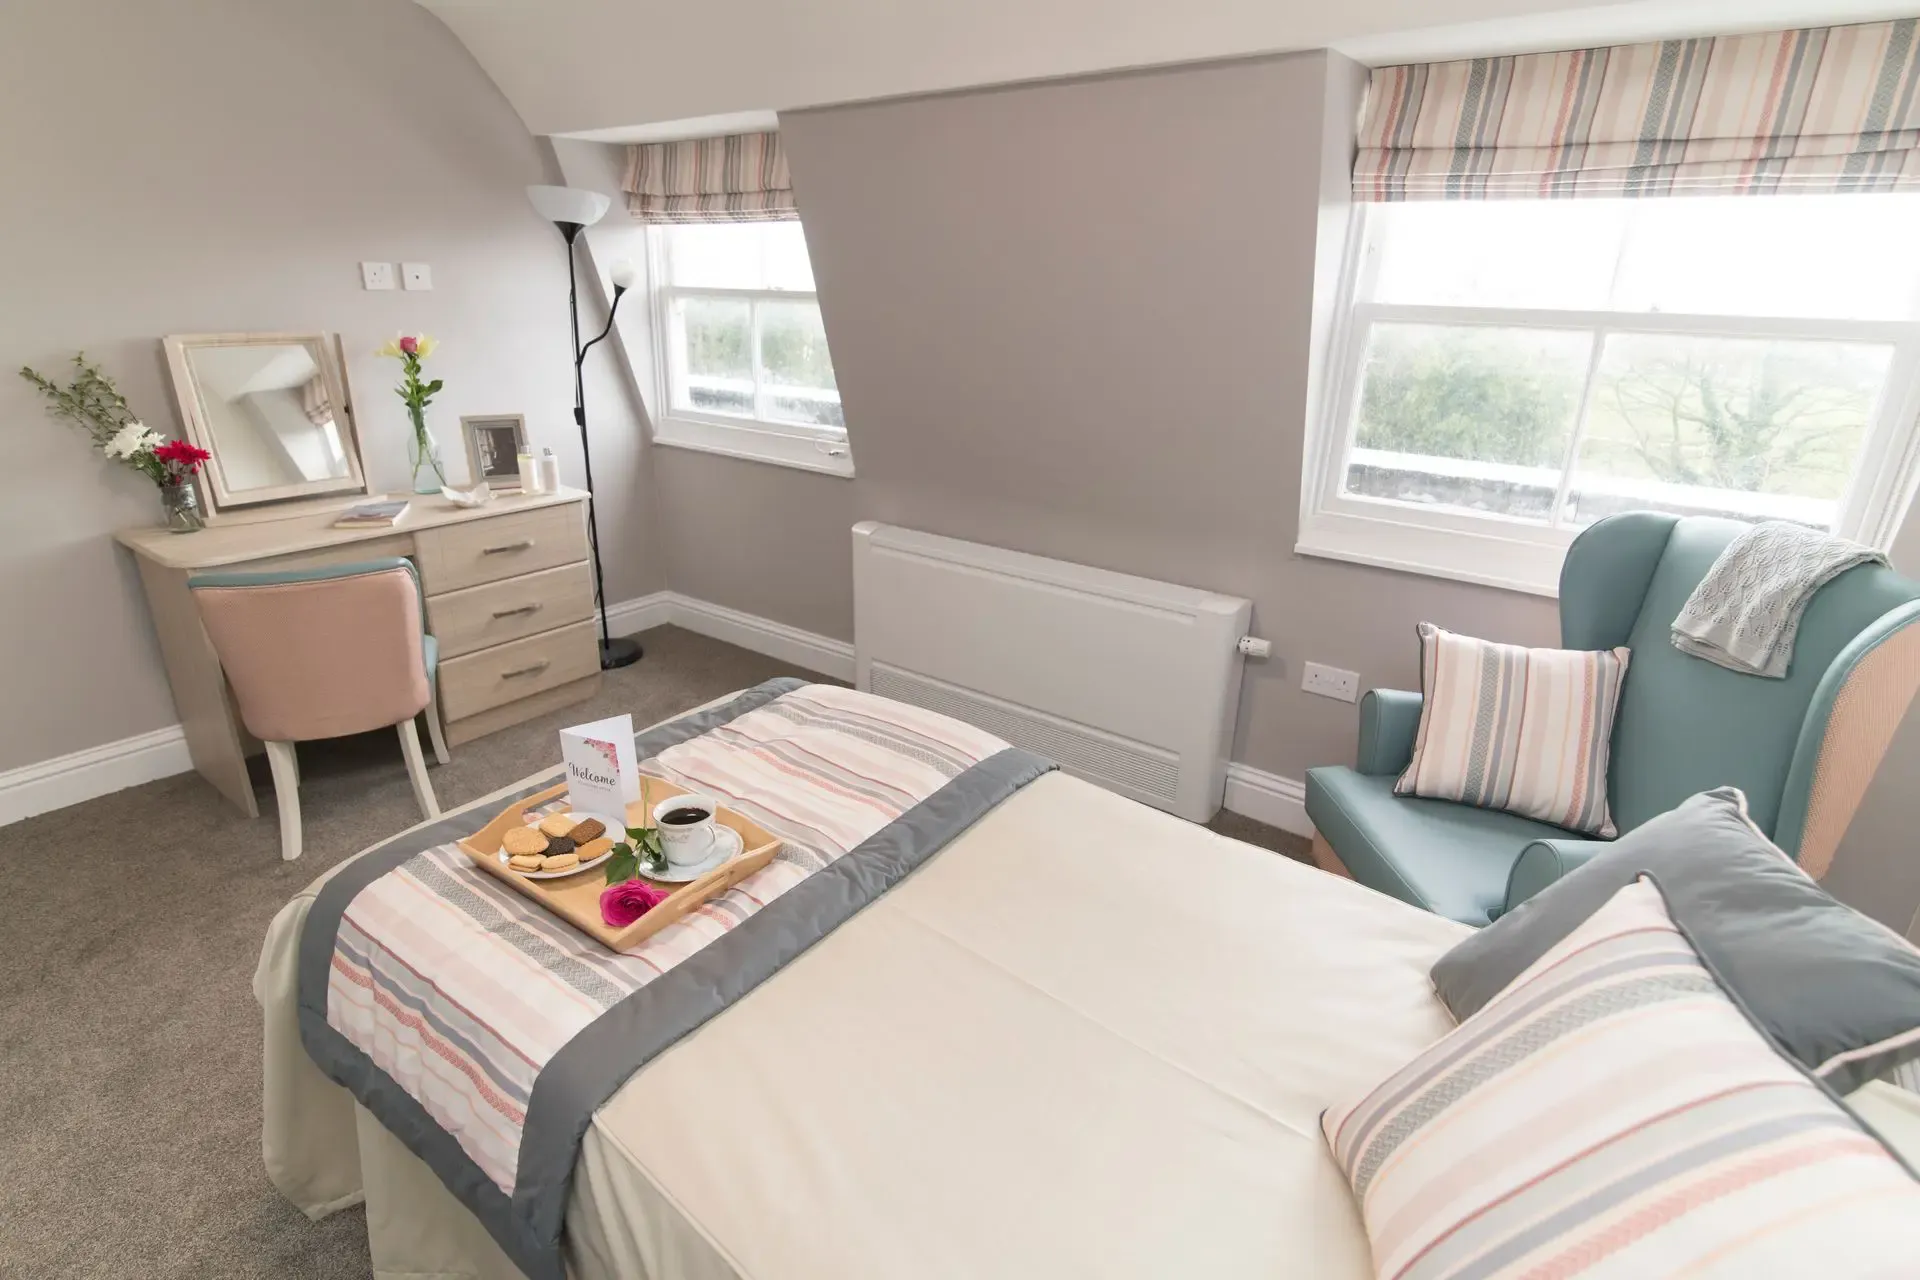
x=758, y=443
x=1517, y=558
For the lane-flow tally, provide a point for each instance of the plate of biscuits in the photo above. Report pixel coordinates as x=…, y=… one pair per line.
x=557, y=845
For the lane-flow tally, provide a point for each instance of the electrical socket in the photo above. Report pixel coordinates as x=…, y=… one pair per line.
x=376, y=275
x=416, y=275
x=1330, y=682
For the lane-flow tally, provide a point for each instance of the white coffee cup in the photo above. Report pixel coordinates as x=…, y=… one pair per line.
x=687, y=843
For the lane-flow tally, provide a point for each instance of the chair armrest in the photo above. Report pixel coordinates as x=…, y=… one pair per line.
x=1389, y=721
x=1543, y=862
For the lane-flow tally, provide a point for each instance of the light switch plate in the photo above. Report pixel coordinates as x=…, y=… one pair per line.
x=376, y=275
x=416, y=275
x=1330, y=682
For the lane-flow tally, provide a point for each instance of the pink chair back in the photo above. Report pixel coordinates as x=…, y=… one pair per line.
x=319, y=653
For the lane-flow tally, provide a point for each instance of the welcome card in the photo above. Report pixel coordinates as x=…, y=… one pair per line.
x=603, y=773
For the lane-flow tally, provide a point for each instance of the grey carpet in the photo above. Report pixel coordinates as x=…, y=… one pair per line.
x=129, y=1040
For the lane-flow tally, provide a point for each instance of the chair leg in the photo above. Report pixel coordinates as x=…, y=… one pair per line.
x=286, y=793
x=1327, y=860
x=435, y=734
x=417, y=769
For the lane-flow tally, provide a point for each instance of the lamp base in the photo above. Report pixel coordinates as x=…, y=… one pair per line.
x=618, y=652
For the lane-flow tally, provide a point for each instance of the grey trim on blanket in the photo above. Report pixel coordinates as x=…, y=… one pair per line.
x=343, y=1062
x=591, y=1068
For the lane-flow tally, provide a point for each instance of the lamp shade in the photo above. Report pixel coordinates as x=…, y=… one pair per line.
x=569, y=204
x=623, y=274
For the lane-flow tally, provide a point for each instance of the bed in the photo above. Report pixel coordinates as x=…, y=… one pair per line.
x=1085, y=1039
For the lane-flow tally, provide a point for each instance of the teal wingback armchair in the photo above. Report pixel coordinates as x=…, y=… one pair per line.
x=1803, y=749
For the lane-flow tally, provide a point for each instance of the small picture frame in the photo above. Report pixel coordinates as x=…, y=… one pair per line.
x=494, y=442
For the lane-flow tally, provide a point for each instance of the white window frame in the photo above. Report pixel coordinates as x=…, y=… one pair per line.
x=788, y=444
x=1525, y=555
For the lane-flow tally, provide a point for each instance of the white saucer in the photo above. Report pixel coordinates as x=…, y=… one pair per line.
x=727, y=845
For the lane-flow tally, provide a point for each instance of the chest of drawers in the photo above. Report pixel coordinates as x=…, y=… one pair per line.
x=509, y=598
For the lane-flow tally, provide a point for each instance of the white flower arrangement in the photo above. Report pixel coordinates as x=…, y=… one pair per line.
x=92, y=403
x=134, y=438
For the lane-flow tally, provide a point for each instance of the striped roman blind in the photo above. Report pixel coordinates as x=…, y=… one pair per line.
x=738, y=178
x=1822, y=110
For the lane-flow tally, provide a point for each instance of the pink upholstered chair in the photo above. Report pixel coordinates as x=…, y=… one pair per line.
x=320, y=653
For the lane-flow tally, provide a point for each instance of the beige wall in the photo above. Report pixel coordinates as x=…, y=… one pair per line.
x=204, y=165
x=1074, y=319
x=766, y=540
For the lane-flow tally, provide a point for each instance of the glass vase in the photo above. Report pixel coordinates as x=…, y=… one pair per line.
x=423, y=456
x=182, y=508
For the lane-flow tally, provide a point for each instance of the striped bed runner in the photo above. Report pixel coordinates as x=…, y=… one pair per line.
x=445, y=985
x=461, y=989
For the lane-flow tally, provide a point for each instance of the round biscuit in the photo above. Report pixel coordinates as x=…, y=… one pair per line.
x=524, y=840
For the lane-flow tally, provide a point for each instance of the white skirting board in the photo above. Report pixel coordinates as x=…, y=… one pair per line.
x=643, y=613
x=819, y=653
x=96, y=771
x=113, y=766
x=1269, y=798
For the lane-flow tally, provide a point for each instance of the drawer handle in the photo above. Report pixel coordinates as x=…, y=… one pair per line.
x=510, y=613
x=533, y=670
x=511, y=546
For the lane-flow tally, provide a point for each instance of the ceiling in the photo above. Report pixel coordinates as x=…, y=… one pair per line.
x=643, y=70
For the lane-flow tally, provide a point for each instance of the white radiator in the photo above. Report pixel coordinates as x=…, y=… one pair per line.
x=1126, y=682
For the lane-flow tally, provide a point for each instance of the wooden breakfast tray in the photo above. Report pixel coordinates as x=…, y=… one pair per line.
x=576, y=899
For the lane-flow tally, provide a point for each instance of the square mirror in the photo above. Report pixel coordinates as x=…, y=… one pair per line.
x=272, y=409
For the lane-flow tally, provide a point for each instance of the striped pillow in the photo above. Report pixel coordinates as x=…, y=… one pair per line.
x=1612, y=1113
x=1525, y=730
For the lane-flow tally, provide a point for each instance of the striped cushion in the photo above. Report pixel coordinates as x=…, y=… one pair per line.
x=1612, y=1114
x=1525, y=730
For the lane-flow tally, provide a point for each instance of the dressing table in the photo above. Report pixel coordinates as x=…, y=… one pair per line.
x=508, y=586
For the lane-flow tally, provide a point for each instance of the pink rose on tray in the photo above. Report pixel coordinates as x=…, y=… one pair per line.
x=626, y=902
x=410, y=345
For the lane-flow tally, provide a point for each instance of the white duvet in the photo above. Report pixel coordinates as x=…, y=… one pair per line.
x=1087, y=1039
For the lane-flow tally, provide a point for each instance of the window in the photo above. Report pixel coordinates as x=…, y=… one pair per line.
x=1507, y=372
x=742, y=351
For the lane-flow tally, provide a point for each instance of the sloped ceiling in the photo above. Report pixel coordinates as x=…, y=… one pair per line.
x=626, y=68
x=573, y=66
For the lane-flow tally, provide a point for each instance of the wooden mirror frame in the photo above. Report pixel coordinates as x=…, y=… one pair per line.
x=331, y=360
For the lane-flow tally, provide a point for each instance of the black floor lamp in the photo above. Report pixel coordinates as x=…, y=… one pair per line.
x=572, y=209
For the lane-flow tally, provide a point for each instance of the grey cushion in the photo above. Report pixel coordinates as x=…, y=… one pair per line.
x=1838, y=991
